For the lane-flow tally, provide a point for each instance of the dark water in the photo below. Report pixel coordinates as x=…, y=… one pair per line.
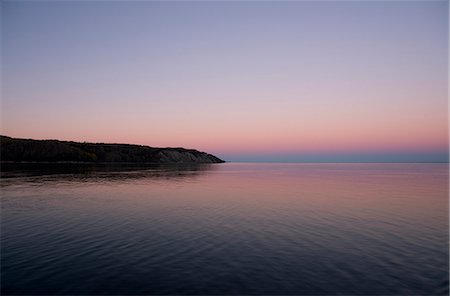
x=358, y=229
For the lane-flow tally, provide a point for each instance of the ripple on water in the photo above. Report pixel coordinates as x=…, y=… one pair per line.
x=234, y=229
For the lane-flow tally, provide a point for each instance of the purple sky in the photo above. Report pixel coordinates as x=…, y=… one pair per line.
x=250, y=80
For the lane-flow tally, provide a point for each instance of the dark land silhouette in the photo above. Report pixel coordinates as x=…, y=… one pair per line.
x=29, y=150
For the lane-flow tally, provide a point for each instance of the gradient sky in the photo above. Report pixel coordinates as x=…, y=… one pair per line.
x=247, y=81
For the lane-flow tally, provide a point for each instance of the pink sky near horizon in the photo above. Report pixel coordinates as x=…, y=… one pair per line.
x=261, y=136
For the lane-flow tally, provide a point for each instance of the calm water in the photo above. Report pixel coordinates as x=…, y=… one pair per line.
x=225, y=229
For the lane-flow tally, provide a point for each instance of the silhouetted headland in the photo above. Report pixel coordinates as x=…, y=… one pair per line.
x=28, y=150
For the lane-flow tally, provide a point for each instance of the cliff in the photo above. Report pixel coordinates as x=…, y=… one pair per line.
x=28, y=150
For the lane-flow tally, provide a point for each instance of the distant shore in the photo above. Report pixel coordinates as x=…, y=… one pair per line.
x=14, y=150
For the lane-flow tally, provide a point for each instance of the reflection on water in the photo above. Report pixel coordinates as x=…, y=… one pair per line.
x=104, y=172
x=225, y=229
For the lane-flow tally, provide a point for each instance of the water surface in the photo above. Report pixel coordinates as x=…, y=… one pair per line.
x=358, y=229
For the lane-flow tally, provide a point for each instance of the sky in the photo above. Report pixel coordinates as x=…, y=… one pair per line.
x=326, y=81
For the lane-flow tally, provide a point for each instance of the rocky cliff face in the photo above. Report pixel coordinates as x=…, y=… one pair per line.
x=63, y=151
x=169, y=155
